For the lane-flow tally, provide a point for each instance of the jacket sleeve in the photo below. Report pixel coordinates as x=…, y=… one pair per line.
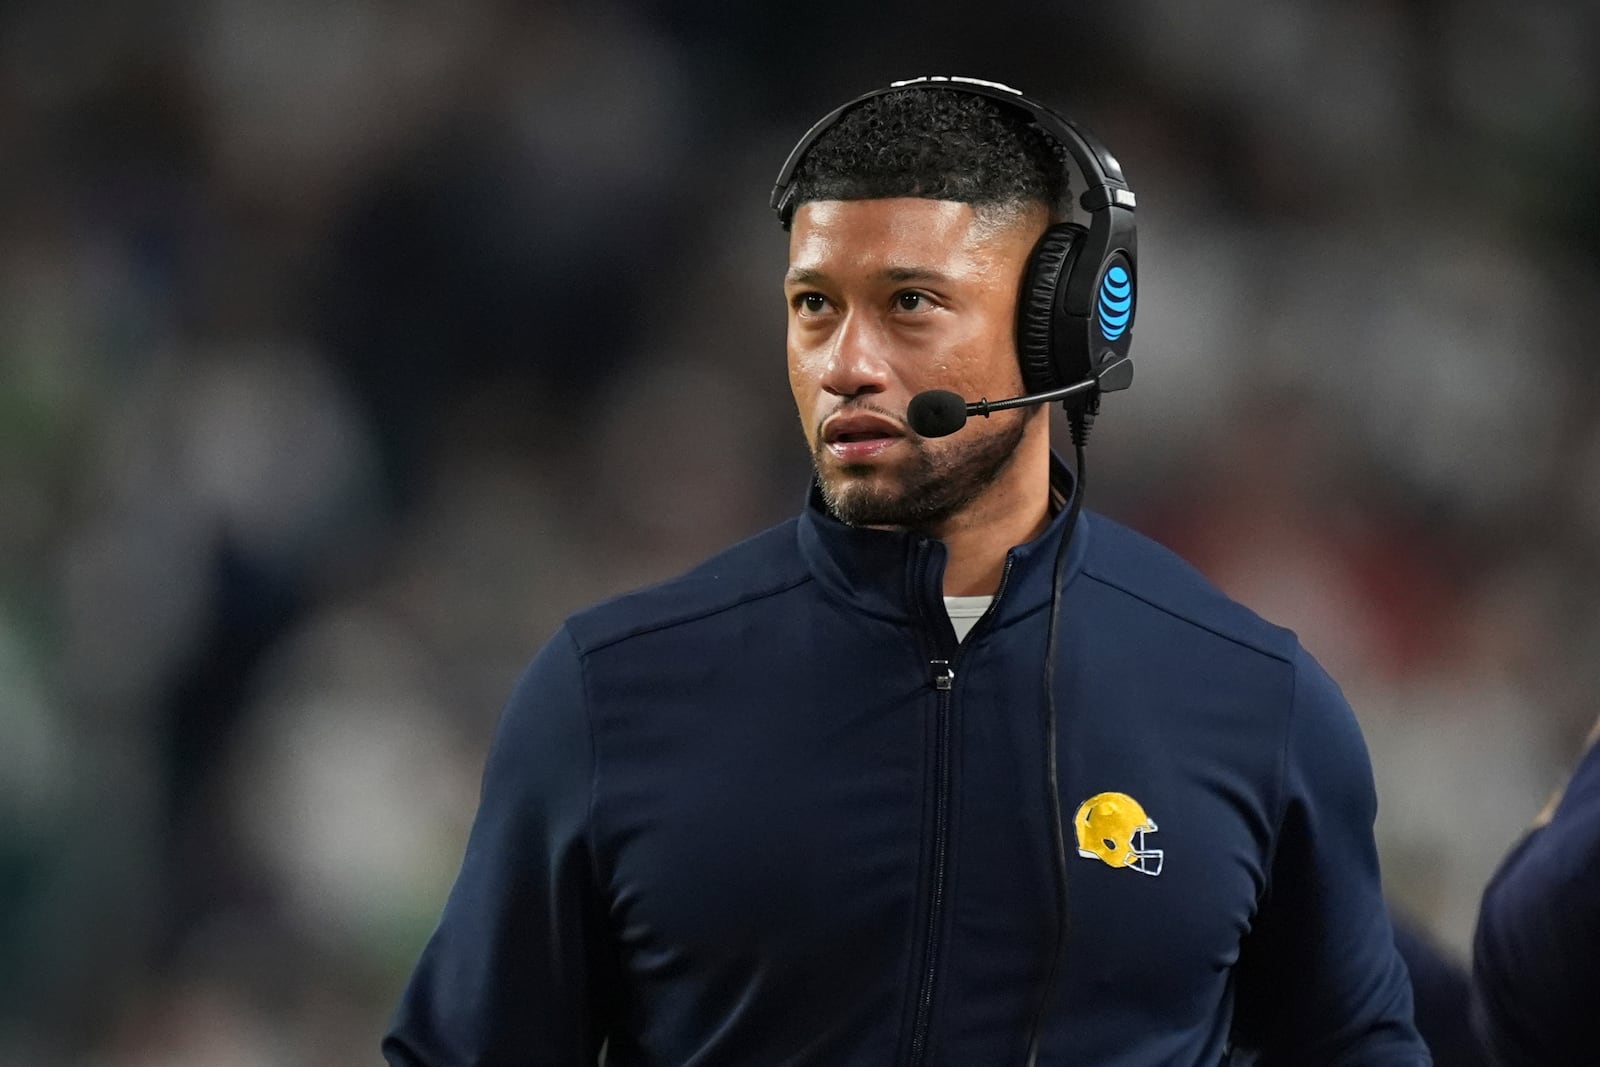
x=515, y=974
x=1321, y=983
x=1536, y=956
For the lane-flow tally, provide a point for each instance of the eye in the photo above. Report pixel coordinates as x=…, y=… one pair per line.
x=810, y=303
x=911, y=300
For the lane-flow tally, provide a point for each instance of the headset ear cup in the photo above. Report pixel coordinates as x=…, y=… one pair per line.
x=1048, y=269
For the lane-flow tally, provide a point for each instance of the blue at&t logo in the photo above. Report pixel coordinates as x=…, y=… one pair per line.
x=1116, y=302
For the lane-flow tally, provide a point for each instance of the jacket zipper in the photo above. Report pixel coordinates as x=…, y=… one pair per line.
x=944, y=677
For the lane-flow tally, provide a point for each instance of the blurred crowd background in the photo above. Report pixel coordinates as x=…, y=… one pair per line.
x=346, y=348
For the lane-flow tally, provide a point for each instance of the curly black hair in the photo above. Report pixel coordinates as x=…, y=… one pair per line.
x=936, y=143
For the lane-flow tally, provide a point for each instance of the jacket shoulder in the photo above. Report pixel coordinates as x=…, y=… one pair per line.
x=1146, y=570
x=759, y=567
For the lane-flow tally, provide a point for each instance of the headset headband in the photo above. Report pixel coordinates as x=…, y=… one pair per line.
x=1102, y=175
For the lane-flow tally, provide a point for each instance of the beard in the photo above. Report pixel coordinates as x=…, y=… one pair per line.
x=922, y=490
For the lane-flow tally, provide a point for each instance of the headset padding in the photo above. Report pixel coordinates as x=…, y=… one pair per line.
x=1048, y=267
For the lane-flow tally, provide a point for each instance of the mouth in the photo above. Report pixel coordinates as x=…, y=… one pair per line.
x=859, y=436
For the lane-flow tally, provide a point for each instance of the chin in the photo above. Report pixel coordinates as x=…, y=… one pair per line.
x=879, y=499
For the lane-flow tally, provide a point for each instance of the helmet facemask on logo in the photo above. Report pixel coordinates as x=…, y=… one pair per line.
x=1112, y=828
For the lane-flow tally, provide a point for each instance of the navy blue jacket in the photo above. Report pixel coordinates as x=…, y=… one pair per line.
x=1536, y=957
x=745, y=819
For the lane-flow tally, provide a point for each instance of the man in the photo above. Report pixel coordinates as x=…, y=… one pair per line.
x=1536, y=956
x=799, y=806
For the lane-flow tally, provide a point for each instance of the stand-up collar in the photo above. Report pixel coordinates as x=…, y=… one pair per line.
x=899, y=575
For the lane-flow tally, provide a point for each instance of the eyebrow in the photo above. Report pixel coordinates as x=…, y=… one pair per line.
x=803, y=276
x=812, y=275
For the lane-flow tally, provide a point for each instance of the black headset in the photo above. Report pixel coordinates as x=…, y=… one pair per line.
x=1075, y=312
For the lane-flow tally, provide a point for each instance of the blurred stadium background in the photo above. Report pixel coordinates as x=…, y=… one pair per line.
x=345, y=348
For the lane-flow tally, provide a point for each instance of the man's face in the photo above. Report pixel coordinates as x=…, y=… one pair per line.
x=888, y=298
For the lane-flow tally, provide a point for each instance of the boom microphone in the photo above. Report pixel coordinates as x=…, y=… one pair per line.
x=939, y=412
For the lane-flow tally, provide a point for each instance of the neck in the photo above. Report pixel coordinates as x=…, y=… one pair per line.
x=1012, y=511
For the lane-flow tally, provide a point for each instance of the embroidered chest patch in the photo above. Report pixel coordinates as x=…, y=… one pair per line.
x=1112, y=828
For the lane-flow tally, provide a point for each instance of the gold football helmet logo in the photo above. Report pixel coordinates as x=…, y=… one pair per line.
x=1111, y=828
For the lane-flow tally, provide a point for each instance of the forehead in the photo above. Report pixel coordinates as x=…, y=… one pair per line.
x=841, y=236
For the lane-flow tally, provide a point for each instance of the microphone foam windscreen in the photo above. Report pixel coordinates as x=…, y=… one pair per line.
x=936, y=413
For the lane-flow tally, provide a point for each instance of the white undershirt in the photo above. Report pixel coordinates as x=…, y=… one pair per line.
x=965, y=611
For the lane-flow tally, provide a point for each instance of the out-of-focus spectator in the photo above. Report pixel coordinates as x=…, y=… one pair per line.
x=1441, y=986
x=1535, y=963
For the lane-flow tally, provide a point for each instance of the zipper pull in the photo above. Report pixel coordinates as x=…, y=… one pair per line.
x=943, y=676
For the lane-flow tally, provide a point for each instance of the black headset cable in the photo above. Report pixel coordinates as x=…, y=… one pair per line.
x=1079, y=422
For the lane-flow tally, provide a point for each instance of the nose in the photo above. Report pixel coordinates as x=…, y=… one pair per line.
x=856, y=361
